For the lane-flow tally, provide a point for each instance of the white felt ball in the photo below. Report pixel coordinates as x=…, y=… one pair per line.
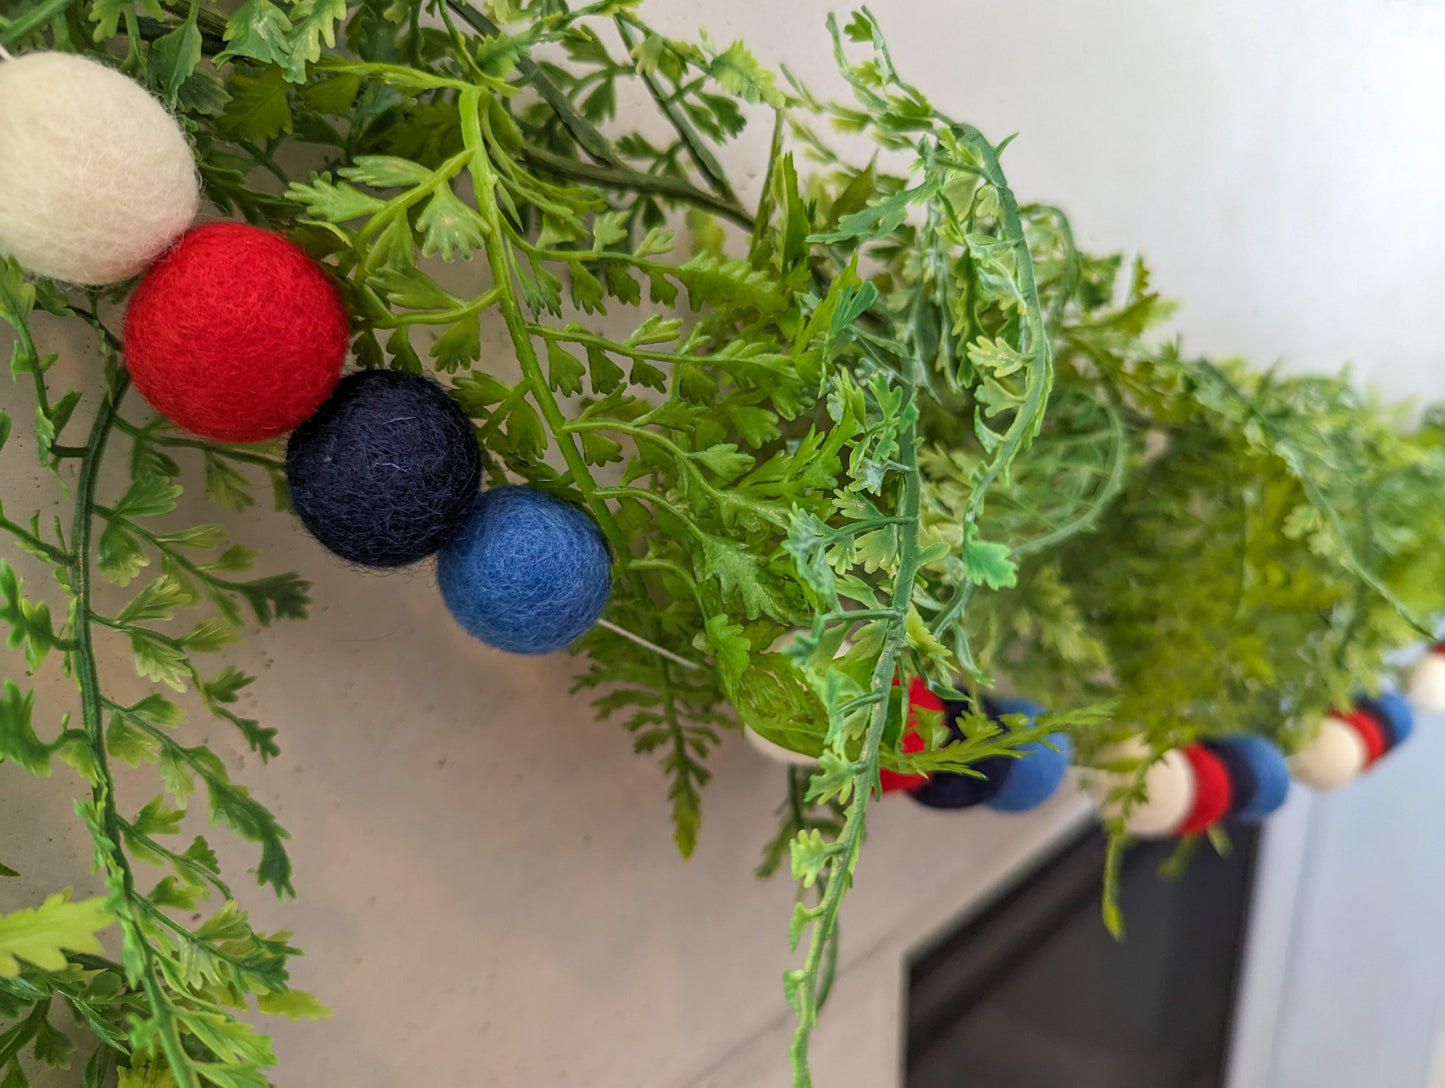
x=1335, y=754
x=96, y=178
x=1169, y=789
x=1425, y=683
x=776, y=752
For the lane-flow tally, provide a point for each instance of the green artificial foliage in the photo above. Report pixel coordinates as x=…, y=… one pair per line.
x=886, y=423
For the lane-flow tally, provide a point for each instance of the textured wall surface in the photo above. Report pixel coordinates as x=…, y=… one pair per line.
x=479, y=910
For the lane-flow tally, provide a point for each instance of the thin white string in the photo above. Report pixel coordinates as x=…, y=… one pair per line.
x=654, y=647
x=5, y=54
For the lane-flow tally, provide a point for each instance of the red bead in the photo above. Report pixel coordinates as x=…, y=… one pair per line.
x=1369, y=731
x=1212, y=790
x=235, y=334
x=919, y=697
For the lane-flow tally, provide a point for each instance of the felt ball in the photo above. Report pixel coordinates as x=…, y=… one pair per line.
x=96, y=178
x=1334, y=754
x=1035, y=776
x=386, y=470
x=1425, y=682
x=1393, y=715
x=1370, y=732
x=776, y=752
x=1258, y=775
x=1168, y=786
x=919, y=698
x=1211, y=790
x=529, y=573
x=235, y=334
x=947, y=789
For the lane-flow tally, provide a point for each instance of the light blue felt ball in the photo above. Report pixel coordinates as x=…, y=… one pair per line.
x=1035, y=775
x=529, y=574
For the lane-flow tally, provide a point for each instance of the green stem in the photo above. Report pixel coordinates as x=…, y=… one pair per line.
x=698, y=151
x=805, y=982
x=587, y=137
x=33, y=20
x=629, y=180
x=103, y=792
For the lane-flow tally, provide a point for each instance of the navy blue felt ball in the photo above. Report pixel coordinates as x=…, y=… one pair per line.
x=1036, y=776
x=386, y=470
x=1397, y=720
x=1258, y=775
x=529, y=573
x=947, y=790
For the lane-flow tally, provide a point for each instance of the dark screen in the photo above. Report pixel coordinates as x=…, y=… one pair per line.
x=1033, y=992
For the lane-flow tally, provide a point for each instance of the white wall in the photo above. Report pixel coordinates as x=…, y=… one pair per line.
x=480, y=911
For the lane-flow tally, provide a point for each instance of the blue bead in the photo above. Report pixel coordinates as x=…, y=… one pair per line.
x=1035, y=776
x=1258, y=775
x=1393, y=714
x=529, y=573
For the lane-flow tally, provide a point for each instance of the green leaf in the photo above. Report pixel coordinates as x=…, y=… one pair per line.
x=740, y=572
x=175, y=57
x=159, y=661
x=459, y=346
x=476, y=393
x=18, y=742
x=526, y=433
x=325, y=200
x=259, y=109
x=127, y=743
x=606, y=375
x=224, y=485
x=564, y=370
x=42, y=936
x=258, y=30
x=450, y=228
x=987, y=562
x=293, y=1004
x=599, y=449
x=148, y=497
x=119, y=555
x=385, y=171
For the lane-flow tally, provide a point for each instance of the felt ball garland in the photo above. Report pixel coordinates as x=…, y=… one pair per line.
x=1169, y=789
x=529, y=573
x=1258, y=775
x=1334, y=754
x=1213, y=792
x=1392, y=713
x=386, y=471
x=96, y=178
x=235, y=334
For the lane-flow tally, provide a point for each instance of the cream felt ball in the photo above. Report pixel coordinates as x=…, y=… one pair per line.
x=1425, y=682
x=1334, y=754
x=1169, y=791
x=96, y=178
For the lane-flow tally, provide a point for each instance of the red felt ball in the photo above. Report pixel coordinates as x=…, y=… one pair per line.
x=919, y=697
x=235, y=334
x=1369, y=731
x=1212, y=791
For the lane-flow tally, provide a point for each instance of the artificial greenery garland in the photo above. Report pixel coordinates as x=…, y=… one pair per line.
x=903, y=426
